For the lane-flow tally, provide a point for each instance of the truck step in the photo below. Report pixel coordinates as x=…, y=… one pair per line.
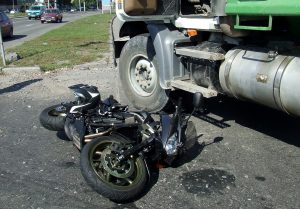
x=193, y=51
x=191, y=87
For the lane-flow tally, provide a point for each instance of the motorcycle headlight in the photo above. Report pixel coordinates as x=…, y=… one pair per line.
x=171, y=145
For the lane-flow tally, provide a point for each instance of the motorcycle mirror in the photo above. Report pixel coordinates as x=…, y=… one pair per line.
x=197, y=99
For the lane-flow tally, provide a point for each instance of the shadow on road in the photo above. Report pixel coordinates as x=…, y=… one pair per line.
x=18, y=86
x=219, y=111
x=61, y=135
x=262, y=119
x=15, y=37
x=63, y=21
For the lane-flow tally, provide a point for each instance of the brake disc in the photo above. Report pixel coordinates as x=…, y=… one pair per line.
x=114, y=167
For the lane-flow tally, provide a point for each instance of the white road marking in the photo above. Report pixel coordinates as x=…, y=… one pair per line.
x=28, y=25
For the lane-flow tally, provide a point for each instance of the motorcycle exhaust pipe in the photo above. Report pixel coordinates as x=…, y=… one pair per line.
x=90, y=137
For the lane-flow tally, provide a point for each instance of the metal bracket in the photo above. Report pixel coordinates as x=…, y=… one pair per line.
x=261, y=28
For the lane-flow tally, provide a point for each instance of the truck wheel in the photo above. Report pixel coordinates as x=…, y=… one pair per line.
x=139, y=75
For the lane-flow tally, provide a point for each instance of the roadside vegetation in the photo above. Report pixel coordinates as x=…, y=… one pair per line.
x=75, y=43
x=17, y=14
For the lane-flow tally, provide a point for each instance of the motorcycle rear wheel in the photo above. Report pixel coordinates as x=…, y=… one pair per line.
x=118, y=181
x=53, y=117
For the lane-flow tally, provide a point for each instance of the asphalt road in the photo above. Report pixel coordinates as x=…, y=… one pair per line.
x=25, y=29
x=251, y=158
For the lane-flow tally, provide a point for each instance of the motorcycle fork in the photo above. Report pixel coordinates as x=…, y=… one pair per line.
x=125, y=154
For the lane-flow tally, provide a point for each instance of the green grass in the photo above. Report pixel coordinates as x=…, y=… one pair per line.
x=75, y=43
x=17, y=14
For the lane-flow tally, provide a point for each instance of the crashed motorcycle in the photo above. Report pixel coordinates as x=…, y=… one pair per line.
x=84, y=118
x=118, y=146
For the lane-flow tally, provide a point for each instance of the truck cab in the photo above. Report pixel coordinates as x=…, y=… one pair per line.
x=243, y=49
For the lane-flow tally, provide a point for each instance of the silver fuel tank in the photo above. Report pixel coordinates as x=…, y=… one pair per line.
x=264, y=77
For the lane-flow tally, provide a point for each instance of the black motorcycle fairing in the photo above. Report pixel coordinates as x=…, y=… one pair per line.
x=75, y=130
x=166, y=122
x=88, y=97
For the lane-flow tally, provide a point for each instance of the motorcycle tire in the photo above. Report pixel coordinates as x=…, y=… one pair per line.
x=67, y=129
x=119, y=182
x=53, y=118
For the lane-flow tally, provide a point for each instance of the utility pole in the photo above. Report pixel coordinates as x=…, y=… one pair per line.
x=13, y=5
x=2, y=48
x=79, y=6
x=97, y=2
x=110, y=6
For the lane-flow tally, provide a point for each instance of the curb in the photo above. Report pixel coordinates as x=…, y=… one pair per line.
x=21, y=69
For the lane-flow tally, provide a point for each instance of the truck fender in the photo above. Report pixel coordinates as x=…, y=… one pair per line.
x=164, y=41
x=122, y=31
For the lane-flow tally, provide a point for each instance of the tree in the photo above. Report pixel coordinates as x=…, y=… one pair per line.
x=88, y=3
x=64, y=2
x=25, y=4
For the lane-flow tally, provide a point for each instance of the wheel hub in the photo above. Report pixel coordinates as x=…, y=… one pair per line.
x=143, y=76
x=58, y=111
x=114, y=167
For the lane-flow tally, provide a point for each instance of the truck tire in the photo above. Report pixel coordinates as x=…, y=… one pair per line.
x=139, y=74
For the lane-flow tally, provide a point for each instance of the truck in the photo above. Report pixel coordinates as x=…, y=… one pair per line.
x=246, y=49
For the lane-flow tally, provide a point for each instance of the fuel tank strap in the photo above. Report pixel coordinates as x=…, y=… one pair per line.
x=227, y=70
x=277, y=82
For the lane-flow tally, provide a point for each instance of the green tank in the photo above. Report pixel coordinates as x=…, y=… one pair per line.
x=263, y=7
x=263, y=11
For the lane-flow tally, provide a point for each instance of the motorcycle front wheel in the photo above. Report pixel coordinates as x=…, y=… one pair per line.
x=53, y=117
x=118, y=181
